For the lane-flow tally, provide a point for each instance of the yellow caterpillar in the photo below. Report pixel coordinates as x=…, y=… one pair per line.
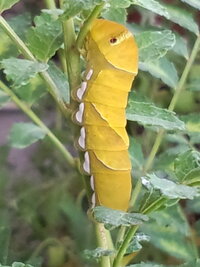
x=112, y=63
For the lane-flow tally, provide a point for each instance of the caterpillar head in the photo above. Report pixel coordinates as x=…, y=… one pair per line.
x=116, y=43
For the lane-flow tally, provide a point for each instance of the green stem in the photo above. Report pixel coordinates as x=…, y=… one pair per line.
x=154, y=150
x=87, y=24
x=72, y=54
x=50, y=4
x=135, y=193
x=28, y=55
x=103, y=243
x=124, y=246
x=37, y=121
x=178, y=90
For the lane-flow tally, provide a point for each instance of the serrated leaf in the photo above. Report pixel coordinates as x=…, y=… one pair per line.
x=60, y=81
x=97, y=253
x=46, y=37
x=148, y=114
x=118, y=15
x=169, y=188
x=162, y=69
x=4, y=98
x=169, y=232
x=187, y=166
x=153, y=6
x=194, y=3
x=20, y=71
x=182, y=17
x=154, y=44
x=180, y=47
x=114, y=218
x=6, y=4
x=25, y=134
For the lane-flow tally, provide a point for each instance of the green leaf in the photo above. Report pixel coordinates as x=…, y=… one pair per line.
x=192, y=122
x=154, y=44
x=73, y=7
x=18, y=264
x=135, y=245
x=136, y=154
x=187, y=166
x=183, y=18
x=32, y=91
x=180, y=47
x=169, y=232
x=119, y=3
x=119, y=15
x=25, y=134
x=46, y=37
x=148, y=114
x=162, y=69
x=143, y=264
x=4, y=98
x=60, y=81
x=20, y=71
x=97, y=253
x=20, y=24
x=153, y=6
x=194, y=3
x=194, y=263
x=169, y=188
x=6, y=4
x=114, y=218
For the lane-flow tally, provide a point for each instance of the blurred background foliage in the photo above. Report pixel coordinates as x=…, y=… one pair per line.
x=43, y=208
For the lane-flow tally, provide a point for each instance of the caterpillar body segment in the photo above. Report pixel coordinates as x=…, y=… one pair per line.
x=112, y=63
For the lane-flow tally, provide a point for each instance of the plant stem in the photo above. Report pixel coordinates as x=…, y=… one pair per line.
x=28, y=55
x=135, y=193
x=124, y=246
x=178, y=90
x=72, y=54
x=87, y=24
x=50, y=4
x=103, y=243
x=37, y=121
x=154, y=150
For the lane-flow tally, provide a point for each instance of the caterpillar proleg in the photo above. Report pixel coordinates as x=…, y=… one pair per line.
x=112, y=64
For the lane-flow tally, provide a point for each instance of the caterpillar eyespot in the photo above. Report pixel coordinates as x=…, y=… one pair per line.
x=113, y=40
x=110, y=72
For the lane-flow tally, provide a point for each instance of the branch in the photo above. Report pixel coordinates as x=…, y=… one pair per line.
x=87, y=24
